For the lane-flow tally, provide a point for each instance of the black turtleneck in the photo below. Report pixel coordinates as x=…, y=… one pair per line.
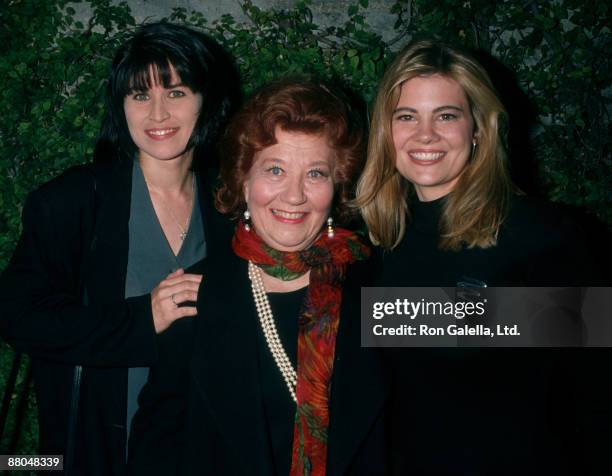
x=460, y=411
x=537, y=245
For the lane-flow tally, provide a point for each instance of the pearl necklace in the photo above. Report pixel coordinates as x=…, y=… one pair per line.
x=266, y=319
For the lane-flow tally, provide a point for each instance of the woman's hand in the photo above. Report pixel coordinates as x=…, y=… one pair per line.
x=176, y=289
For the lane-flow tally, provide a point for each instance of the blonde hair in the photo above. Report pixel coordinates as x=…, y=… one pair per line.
x=477, y=205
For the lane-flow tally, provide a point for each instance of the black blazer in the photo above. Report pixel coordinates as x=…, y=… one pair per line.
x=74, y=249
x=207, y=416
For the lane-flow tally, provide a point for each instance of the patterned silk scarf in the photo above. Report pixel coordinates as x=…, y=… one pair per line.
x=318, y=325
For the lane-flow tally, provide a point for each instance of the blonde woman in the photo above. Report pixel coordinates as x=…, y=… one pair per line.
x=437, y=197
x=437, y=166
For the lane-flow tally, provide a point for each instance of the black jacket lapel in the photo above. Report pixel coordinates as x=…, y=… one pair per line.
x=232, y=389
x=218, y=229
x=360, y=387
x=111, y=235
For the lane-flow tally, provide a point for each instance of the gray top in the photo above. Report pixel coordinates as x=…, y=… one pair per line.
x=151, y=259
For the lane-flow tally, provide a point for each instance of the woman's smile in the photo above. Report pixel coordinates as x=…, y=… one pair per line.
x=162, y=134
x=426, y=158
x=288, y=217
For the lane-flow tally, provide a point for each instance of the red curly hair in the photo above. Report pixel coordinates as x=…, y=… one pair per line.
x=294, y=106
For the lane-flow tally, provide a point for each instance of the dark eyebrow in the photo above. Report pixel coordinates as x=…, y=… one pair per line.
x=449, y=106
x=404, y=109
x=170, y=86
x=438, y=109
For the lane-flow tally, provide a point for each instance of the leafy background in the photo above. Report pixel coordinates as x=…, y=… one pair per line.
x=549, y=60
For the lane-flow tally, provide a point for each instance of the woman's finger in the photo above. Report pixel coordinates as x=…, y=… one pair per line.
x=186, y=311
x=184, y=296
x=171, y=281
x=176, y=273
x=170, y=298
x=168, y=291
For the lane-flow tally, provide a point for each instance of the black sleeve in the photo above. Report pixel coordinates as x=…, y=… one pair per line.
x=157, y=433
x=41, y=300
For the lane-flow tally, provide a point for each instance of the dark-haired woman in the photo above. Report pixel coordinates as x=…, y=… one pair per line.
x=277, y=383
x=99, y=268
x=436, y=195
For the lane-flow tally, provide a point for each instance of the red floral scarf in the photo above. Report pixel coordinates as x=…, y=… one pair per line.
x=318, y=325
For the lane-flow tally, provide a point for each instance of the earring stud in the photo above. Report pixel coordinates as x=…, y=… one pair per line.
x=247, y=220
x=330, y=227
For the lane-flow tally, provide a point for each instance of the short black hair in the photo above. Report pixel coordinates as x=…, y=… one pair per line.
x=201, y=64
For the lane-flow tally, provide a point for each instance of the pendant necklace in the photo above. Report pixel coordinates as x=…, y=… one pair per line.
x=184, y=230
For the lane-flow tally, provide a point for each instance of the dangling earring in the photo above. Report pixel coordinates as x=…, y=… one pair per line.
x=247, y=220
x=474, y=144
x=330, y=227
